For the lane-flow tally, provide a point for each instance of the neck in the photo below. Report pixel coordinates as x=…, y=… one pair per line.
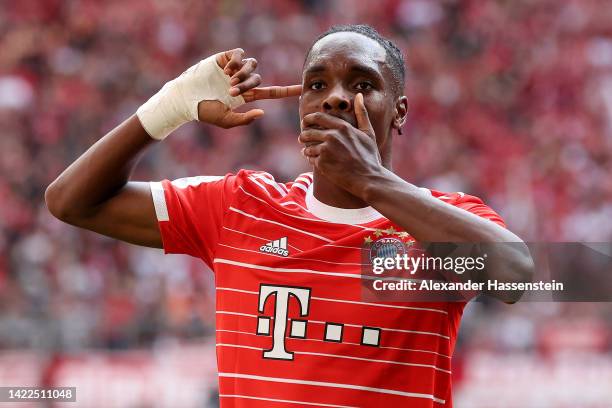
x=330, y=194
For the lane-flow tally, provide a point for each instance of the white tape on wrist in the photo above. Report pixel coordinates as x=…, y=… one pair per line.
x=177, y=102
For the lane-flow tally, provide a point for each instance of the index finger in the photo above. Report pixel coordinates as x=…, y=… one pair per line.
x=363, y=119
x=272, y=92
x=324, y=120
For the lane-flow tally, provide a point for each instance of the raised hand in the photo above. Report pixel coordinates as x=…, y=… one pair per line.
x=243, y=81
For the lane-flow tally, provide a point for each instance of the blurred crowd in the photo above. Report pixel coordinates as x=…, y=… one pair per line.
x=509, y=100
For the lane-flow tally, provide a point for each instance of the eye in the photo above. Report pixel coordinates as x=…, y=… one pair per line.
x=364, y=86
x=316, y=85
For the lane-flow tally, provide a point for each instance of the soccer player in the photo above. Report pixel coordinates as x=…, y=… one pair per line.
x=292, y=327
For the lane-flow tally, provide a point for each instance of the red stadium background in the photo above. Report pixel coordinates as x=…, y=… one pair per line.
x=509, y=100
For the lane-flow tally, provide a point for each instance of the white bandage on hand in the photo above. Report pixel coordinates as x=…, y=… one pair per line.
x=177, y=102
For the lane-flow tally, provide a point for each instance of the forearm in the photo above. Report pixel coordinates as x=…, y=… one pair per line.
x=99, y=173
x=430, y=220
x=425, y=217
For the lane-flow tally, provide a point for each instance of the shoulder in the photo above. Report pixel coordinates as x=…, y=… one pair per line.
x=242, y=178
x=194, y=181
x=262, y=183
x=469, y=203
x=252, y=182
x=457, y=198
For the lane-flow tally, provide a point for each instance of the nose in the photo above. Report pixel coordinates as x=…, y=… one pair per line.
x=337, y=101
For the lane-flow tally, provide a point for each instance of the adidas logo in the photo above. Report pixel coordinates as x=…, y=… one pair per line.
x=278, y=246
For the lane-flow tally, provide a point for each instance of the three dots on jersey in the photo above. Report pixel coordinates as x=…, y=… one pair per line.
x=370, y=336
x=276, y=326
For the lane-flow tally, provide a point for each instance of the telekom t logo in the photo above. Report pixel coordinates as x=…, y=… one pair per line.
x=283, y=295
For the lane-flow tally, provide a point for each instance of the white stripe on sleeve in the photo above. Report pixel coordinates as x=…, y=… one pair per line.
x=159, y=201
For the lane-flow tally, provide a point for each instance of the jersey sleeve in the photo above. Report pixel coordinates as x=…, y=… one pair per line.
x=476, y=206
x=190, y=213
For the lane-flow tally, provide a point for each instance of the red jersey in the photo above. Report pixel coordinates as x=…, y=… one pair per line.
x=291, y=326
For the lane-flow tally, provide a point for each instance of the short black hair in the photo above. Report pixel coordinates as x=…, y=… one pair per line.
x=394, y=57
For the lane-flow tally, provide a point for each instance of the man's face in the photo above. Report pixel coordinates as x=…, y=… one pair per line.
x=340, y=66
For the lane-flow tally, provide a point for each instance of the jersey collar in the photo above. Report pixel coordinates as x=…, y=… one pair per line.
x=339, y=215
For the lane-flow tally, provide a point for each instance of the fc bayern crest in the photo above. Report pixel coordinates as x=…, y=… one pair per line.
x=386, y=243
x=387, y=248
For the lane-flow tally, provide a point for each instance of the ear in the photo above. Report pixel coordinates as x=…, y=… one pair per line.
x=401, y=113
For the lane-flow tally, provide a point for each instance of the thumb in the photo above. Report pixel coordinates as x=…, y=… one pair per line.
x=232, y=119
x=363, y=120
